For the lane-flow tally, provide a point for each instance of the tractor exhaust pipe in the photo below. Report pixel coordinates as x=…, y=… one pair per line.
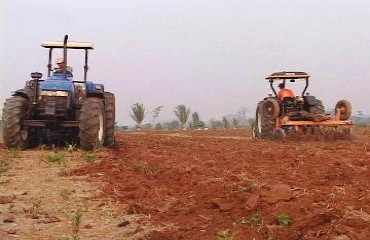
x=65, y=55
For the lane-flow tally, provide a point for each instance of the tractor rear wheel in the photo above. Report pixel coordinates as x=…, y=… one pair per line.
x=92, y=128
x=318, y=108
x=265, y=125
x=15, y=110
x=271, y=108
x=109, y=119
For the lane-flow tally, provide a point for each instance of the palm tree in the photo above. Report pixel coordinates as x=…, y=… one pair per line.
x=182, y=113
x=138, y=113
x=195, y=118
x=156, y=112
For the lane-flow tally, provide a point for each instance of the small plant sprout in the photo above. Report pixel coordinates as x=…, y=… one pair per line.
x=225, y=234
x=255, y=219
x=76, y=220
x=283, y=220
x=71, y=147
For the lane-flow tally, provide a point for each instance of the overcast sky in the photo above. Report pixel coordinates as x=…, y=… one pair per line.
x=211, y=55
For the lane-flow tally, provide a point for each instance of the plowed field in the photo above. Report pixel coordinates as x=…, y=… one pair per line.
x=222, y=185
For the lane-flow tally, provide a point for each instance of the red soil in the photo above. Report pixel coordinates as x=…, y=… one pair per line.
x=201, y=183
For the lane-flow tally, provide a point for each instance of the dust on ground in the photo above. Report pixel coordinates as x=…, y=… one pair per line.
x=196, y=185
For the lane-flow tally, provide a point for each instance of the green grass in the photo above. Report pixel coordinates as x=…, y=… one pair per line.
x=56, y=157
x=283, y=220
x=255, y=219
x=89, y=157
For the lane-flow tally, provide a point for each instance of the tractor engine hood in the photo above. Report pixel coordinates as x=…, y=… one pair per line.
x=56, y=85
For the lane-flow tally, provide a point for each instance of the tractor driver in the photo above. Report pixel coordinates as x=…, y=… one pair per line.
x=284, y=92
x=61, y=63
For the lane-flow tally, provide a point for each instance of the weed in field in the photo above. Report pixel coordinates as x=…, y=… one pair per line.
x=4, y=166
x=76, y=222
x=283, y=220
x=89, y=157
x=255, y=219
x=249, y=186
x=56, y=157
x=66, y=170
x=144, y=167
x=137, y=166
x=35, y=209
x=13, y=153
x=71, y=147
x=107, y=214
x=65, y=194
x=3, y=180
x=366, y=149
x=225, y=234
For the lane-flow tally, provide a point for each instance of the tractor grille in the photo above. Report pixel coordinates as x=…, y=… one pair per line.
x=62, y=103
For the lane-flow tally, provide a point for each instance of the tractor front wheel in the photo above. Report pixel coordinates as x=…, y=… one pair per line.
x=92, y=127
x=15, y=110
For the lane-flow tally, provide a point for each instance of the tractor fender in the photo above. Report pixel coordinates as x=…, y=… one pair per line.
x=311, y=100
x=25, y=93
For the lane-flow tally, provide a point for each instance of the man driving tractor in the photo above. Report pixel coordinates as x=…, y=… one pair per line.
x=284, y=92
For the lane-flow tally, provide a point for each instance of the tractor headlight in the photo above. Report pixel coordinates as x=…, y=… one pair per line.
x=54, y=93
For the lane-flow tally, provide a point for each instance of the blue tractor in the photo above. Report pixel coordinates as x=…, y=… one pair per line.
x=60, y=109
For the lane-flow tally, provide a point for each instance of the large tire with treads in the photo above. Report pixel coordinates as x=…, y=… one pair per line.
x=264, y=124
x=109, y=102
x=15, y=135
x=271, y=108
x=318, y=108
x=345, y=109
x=91, y=124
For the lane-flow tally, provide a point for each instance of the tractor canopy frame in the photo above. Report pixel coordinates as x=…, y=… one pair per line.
x=67, y=45
x=292, y=76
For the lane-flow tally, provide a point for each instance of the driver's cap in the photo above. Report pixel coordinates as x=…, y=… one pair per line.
x=59, y=60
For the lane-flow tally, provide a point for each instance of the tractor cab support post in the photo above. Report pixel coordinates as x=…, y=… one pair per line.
x=272, y=87
x=305, y=88
x=86, y=67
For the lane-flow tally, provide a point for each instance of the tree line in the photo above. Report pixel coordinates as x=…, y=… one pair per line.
x=185, y=119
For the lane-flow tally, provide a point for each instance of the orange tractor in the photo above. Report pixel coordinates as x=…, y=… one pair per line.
x=283, y=114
